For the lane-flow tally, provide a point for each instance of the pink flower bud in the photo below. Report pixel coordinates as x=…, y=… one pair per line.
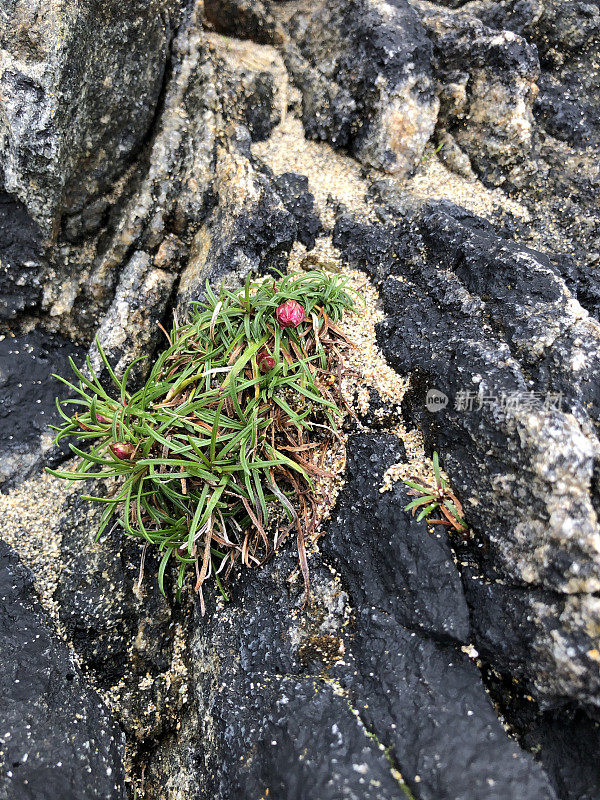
x=102, y=419
x=290, y=314
x=122, y=450
x=265, y=360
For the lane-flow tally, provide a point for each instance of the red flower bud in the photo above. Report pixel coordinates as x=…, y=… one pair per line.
x=265, y=360
x=290, y=314
x=122, y=450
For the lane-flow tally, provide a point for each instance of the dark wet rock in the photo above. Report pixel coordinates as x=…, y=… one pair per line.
x=364, y=70
x=128, y=638
x=379, y=416
x=58, y=739
x=567, y=751
x=80, y=90
x=493, y=326
x=298, y=738
x=508, y=621
x=486, y=82
x=27, y=399
x=427, y=704
x=562, y=740
x=245, y=19
x=292, y=188
x=558, y=181
x=386, y=558
x=341, y=680
x=20, y=260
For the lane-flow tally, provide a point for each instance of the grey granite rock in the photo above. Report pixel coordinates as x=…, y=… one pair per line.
x=486, y=82
x=58, y=738
x=80, y=90
x=250, y=229
x=129, y=329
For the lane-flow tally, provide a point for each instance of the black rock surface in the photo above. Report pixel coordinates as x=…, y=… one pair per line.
x=27, y=399
x=58, y=739
x=362, y=669
x=20, y=259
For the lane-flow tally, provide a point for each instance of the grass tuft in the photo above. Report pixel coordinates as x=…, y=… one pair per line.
x=436, y=497
x=226, y=435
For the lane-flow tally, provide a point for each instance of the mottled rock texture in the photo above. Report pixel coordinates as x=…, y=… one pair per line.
x=80, y=88
x=486, y=82
x=493, y=326
x=58, y=738
x=364, y=68
x=128, y=178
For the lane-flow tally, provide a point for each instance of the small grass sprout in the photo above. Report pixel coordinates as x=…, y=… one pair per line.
x=225, y=438
x=436, y=498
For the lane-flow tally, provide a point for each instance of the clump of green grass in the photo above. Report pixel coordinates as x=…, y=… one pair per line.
x=226, y=430
x=437, y=497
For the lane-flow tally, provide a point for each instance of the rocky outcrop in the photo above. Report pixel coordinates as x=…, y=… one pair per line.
x=486, y=82
x=58, y=738
x=307, y=703
x=28, y=400
x=150, y=185
x=80, y=91
x=493, y=326
x=364, y=70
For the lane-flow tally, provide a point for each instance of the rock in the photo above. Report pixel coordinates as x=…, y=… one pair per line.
x=364, y=70
x=426, y=702
x=129, y=639
x=492, y=325
x=508, y=621
x=302, y=702
x=79, y=91
x=20, y=260
x=250, y=229
x=486, y=83
x=420, y=586
x=560, y=184
x=246, y=19
x=174, y=194
x=252, y=85
x=567, y=747
x=129, y=330
x=567, y=36
x=107, y=71
x=292, y=188
x=58, y=739
x=297, y=738
x=27, y=405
